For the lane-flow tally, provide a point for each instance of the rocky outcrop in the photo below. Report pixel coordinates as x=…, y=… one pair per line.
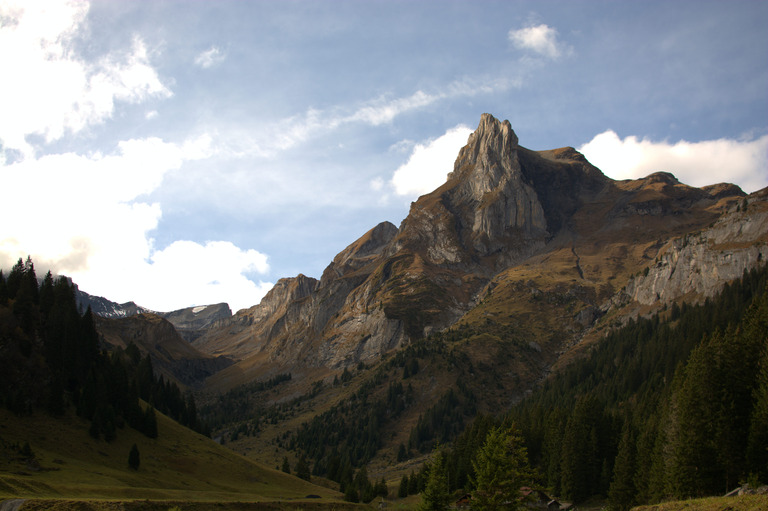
x=697, y=264
x=192, y=322
x=107, y=308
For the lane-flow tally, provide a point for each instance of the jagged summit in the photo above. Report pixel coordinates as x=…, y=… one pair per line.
x=504, y=208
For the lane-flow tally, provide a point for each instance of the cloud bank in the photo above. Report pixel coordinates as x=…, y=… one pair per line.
x=86, y=215
x=99, y=231
x=694, y=163
x=53, y=91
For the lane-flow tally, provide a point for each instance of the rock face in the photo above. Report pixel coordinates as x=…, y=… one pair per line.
x=107, y=308
x=171, y=355
x=517, y=229
x=700, y=263
x=193, y=321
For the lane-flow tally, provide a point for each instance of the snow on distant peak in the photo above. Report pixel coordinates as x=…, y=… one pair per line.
x=199, y=309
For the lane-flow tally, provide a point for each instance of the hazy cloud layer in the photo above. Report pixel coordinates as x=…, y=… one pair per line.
x=693, y=163
x=210, y=58
x=99, y=231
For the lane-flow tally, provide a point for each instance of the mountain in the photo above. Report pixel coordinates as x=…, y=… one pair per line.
x=107, y=308
x=172, y=356
x=620, y=324
x=513, y=234
x=190, y=322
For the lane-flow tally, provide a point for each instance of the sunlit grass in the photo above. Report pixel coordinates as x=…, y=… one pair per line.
x=179, y=466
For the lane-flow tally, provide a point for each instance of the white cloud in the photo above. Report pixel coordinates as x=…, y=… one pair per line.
x=540, y=39
x=695, y=163
x=430, y=163
x=210, y=58
x=294, y=130
x=83, y=216
x=51, y=90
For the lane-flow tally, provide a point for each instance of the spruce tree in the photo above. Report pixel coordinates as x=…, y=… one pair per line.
x=3, y=289
x=501, y=469
x=436, y=495
x=302, y=468
x=150, y=422
x=402, y=491
x=621, y=495
x=134, y=458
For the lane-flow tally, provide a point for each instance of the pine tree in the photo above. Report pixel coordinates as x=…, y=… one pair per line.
x=402, y=491
x=436, y=495
x=381, y=488
x=15, y=277
x=621, y=495
x=501, y=469
x=302, y=468
x=134, y=458
x=150, y=423
x=580, y=462
x=3, y=289
x=286, y=466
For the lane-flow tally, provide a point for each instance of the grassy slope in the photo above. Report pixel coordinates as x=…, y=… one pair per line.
x=180, y=465
x=743, y=503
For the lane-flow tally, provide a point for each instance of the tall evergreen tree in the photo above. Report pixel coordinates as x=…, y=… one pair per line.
x=402, y=490
x=302, y=468
x=501, y=469
x=3, y=289
x=134, y=458
x=621, y=495
x=436, y=495
x=15, y=277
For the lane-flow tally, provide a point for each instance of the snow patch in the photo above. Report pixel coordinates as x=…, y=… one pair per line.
x=199, y=309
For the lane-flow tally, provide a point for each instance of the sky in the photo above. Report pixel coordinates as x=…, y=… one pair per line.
x=183, y=153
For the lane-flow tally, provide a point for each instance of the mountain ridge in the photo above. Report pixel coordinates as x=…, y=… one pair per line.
x=502, y=205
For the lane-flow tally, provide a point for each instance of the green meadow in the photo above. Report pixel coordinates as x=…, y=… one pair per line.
x=180, y=468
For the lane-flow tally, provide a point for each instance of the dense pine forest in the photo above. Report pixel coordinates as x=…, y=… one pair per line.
x=672, y=406
x=51, y=359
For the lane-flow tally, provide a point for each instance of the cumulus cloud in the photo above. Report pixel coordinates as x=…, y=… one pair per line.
x=210, y=58
x=541, y=39
x=52, y=90
x=87, y=215
x=83, y=216
x=742, y=162
x=430, y=163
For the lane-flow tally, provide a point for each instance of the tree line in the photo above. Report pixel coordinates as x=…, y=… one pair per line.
x=52, y=359
x=671, y=406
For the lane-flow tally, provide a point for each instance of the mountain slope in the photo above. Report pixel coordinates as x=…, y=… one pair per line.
x=179, y=465
x=172, y=356
x=509, y=224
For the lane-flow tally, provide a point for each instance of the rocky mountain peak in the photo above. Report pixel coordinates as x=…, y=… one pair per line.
x=358, y=254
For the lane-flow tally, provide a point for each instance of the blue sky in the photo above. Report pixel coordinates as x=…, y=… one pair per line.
x=183, y=153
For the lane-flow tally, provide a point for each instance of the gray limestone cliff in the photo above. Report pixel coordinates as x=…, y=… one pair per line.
x=698, y=264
